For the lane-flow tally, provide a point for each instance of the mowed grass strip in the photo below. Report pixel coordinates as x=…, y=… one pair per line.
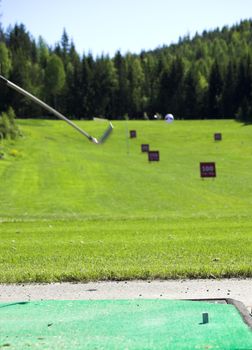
x=117, y=250
x=73, y=211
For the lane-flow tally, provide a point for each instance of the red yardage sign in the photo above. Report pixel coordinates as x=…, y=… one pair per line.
x=145, y=147
x=207, y=169
x=153, y=156
x=132, y=134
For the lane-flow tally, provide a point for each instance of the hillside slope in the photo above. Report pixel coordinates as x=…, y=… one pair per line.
x=58, y=173
x=72, y=210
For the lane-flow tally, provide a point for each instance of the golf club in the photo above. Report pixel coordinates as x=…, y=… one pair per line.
x=56, y=113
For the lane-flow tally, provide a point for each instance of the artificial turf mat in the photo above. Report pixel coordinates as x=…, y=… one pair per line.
x=122, y=324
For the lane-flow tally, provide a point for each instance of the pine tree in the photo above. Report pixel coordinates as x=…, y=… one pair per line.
x=215, y=91
x=171, y=86
x=122, y=92
x=229, y=104
x=71, y=97
x=54, y=78
x=136, y=80
x=191, y=101
x=86, y=87
x=104, y=85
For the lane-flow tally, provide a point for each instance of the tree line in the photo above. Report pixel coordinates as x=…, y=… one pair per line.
x=206, y=76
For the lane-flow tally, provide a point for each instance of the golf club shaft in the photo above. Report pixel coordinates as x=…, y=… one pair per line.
x=44, y=105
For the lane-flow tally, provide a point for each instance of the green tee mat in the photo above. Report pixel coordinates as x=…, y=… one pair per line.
x=122, y=324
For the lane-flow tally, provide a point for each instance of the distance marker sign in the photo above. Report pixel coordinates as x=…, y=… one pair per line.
x=207, y=169
x=133, y=134
x=145, y=147
x=217, y=136
x=153, y=156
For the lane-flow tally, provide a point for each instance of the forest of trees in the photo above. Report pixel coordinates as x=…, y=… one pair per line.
x=206, y=76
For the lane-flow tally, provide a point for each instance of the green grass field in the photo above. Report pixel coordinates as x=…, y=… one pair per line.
x=71, y=210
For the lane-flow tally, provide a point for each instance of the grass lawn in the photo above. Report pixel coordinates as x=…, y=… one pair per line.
x=71, y=210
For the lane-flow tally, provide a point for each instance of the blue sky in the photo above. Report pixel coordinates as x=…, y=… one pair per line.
x=105, y=26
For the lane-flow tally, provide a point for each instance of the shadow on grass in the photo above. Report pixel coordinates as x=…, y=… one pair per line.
x=13, y=304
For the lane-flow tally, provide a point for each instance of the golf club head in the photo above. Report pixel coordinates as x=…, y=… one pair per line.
x=106, y=134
